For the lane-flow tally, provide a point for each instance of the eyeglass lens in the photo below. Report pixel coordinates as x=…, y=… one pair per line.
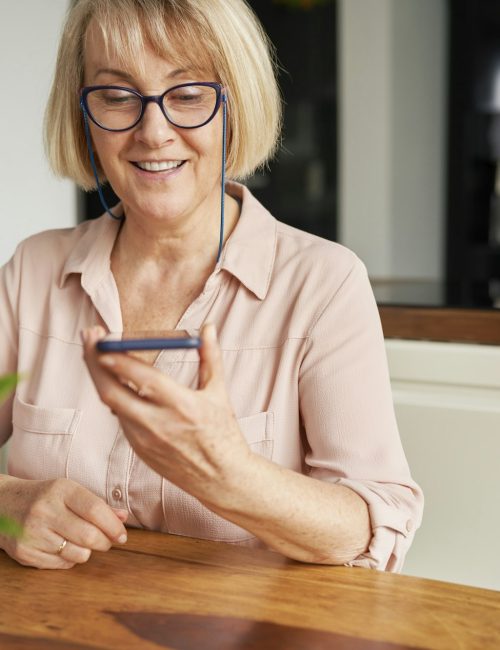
x=186, y=106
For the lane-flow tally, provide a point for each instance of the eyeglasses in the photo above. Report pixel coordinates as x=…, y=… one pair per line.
x=116, y=108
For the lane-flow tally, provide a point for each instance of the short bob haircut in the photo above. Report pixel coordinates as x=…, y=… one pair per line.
x=223, y=37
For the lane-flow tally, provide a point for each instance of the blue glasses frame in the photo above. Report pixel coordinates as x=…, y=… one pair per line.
x=158, y=99
x=155, y=99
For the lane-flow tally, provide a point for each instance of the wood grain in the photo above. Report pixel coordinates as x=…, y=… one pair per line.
x=167, y=591
x=435, y=324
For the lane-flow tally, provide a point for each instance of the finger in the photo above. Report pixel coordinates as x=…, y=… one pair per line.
x=93, y=510
x=80, y=531
x=114, y=390
x=74, y=554
x=151, y=383
x=33, y=557
x=89, y=337
x=121, y=514
x=100, y=377
x=211, y=371
x=49, y=561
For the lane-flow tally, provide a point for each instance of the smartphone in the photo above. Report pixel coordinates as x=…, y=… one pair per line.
x=126, y=343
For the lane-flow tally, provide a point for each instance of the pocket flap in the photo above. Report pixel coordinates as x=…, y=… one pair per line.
x=257, y=427
x=36, y=419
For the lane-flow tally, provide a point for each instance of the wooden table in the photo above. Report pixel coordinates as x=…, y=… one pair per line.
x=173, y=592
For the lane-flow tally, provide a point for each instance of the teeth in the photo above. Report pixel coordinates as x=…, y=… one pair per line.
x=160, y=166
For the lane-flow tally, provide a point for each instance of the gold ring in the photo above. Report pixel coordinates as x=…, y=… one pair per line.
x=61, y=546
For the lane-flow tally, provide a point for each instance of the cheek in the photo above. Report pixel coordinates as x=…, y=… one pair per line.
x=209, y=148
x=106, y=146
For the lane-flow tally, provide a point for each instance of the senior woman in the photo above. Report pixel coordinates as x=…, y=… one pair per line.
x=282, y=432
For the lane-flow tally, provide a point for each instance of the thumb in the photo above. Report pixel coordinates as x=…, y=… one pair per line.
x=211, y=369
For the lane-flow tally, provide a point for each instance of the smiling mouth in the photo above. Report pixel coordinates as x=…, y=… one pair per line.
x=159, y=166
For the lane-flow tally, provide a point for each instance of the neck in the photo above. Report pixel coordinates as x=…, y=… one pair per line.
x=172, y=246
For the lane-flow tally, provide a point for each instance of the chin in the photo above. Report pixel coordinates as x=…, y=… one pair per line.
x=157, y=210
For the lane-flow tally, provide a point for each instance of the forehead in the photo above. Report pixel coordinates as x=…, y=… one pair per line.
x=135, y=50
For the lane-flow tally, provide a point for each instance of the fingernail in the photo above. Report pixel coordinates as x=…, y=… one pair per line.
x=122, y=539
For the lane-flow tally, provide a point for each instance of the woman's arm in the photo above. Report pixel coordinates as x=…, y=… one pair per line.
x=192, y=438
x=303, y=518
x=347, y=411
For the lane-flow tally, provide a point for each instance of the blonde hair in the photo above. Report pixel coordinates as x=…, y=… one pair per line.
x=223, y=36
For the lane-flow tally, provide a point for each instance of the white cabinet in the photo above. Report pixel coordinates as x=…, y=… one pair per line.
x=447, y=399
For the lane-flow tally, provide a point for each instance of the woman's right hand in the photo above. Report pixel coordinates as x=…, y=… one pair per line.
x=51, y=512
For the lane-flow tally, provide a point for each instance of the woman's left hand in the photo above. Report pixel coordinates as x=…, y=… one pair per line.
x=190, y=437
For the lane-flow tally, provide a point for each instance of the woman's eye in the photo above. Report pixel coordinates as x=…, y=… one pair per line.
x=187, y=97
x=115, y=98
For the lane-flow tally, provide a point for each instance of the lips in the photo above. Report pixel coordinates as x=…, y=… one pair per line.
x=158, y=165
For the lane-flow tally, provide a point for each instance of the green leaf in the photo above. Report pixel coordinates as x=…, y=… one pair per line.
x=7, y=384
x=10, y=527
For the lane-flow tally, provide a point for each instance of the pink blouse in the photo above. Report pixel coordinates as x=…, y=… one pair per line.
x=304, y=362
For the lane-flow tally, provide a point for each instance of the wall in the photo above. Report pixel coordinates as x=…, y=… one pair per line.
x=447, y=399
x=392, y=134
x=32, y=199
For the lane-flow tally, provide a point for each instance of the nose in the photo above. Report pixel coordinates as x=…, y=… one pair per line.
x=154, y=129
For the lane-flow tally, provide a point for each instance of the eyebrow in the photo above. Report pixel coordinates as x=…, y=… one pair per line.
x=128, y=77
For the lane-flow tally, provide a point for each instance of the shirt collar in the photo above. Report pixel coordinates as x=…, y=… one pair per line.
x=248, y=254
x=92, y=254
x=250, y=251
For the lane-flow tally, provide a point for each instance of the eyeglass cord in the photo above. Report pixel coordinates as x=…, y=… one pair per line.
x=223, y=173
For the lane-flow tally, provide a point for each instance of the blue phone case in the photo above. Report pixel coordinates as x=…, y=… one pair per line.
x=125, y=345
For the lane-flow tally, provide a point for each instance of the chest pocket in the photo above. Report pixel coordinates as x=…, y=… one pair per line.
x=258, y=432
x=185, y=515
x=41, y=440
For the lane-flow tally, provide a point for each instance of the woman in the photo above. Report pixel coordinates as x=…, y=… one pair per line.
x=284, y=435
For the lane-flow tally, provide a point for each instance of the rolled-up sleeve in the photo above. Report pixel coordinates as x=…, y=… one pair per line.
x=349, y=421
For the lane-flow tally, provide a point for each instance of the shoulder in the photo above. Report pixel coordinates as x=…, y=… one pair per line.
x=314, y=254
x=46, y=253
x=302, y=273
x=313, y=277
x=60, y=241
x=327, y=286
x=288, y=251
x=316, y=268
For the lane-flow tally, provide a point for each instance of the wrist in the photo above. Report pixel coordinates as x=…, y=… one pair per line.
x=239, y=485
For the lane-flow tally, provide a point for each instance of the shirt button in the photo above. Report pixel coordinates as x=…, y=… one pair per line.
x=409, y=525
x=117, y=494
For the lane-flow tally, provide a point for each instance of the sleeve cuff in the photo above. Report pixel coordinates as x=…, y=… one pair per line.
x=393, y=527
